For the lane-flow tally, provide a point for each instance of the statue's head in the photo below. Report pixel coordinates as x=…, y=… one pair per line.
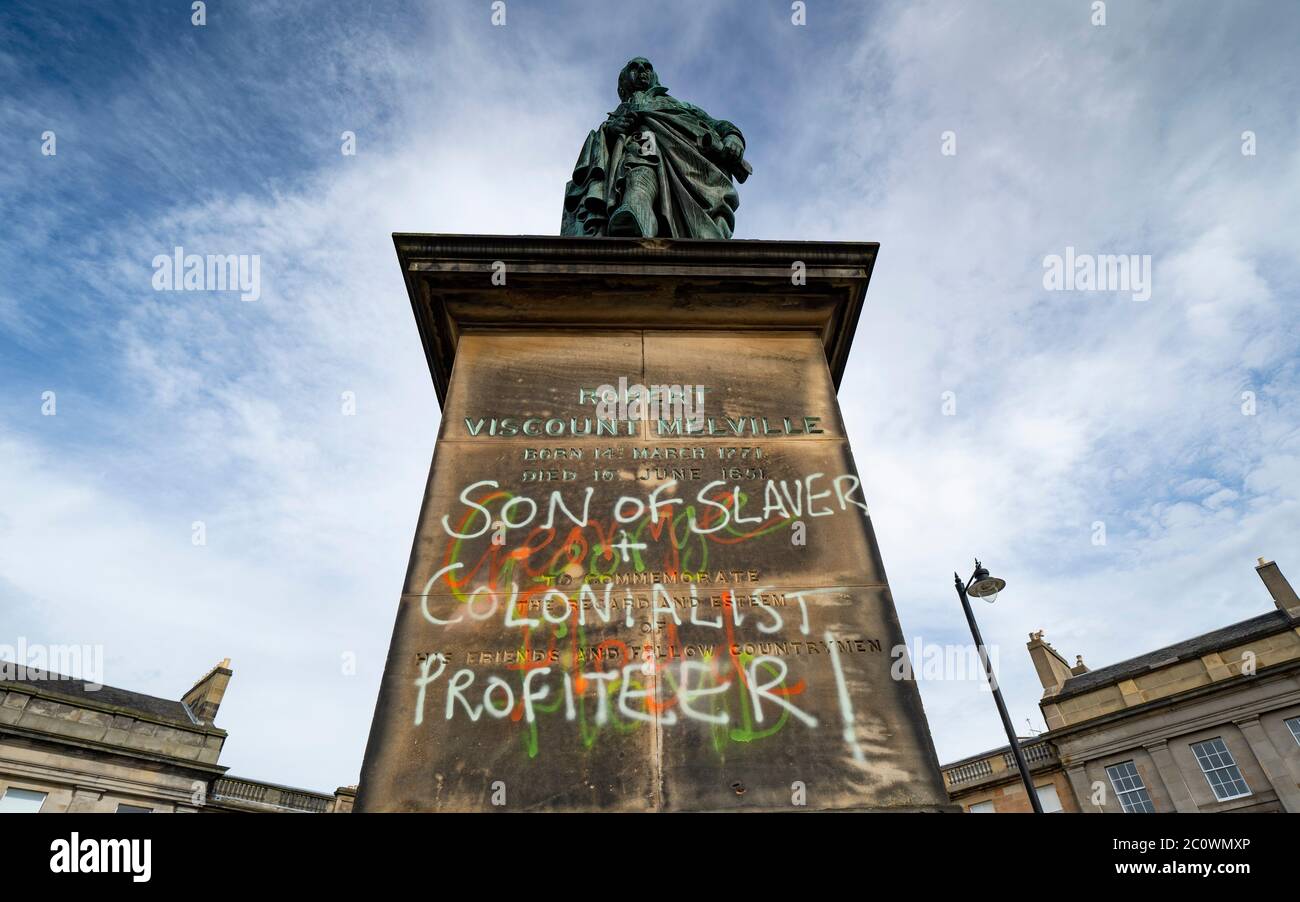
x=637, y=75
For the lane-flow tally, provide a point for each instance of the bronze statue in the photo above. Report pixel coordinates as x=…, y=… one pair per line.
x=657, y=167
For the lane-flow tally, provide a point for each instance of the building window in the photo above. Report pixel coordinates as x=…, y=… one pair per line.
x=1048, y=799
x=21, y=801
x=1129, y=788
x=981, y=808
x=1220, y=769
x=1294, y=726
x=123, y=808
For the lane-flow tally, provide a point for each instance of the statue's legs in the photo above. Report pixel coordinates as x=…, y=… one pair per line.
x=635, y=217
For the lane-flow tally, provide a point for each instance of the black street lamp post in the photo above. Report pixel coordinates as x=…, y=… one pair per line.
x=981, y=585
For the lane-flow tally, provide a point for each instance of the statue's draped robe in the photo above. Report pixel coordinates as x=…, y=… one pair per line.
x=696, y=198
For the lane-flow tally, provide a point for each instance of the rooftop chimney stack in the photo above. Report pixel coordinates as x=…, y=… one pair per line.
x=204, y=698
x=1053, y=670
x=1283, y=595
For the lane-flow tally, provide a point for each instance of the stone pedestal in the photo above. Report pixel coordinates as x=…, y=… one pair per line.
x=676, y=605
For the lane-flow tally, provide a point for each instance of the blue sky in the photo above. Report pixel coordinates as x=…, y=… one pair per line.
x=1071, y=407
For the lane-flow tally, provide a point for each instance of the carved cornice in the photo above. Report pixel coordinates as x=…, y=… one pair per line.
x=631, y=283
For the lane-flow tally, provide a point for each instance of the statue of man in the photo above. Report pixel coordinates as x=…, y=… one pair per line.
x=657, y=166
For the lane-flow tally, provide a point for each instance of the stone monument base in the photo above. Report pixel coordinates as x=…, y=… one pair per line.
x=644, y=576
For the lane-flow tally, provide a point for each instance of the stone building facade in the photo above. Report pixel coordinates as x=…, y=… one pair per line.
x=1209, y=724
x=67, y=745
x=989, y=783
